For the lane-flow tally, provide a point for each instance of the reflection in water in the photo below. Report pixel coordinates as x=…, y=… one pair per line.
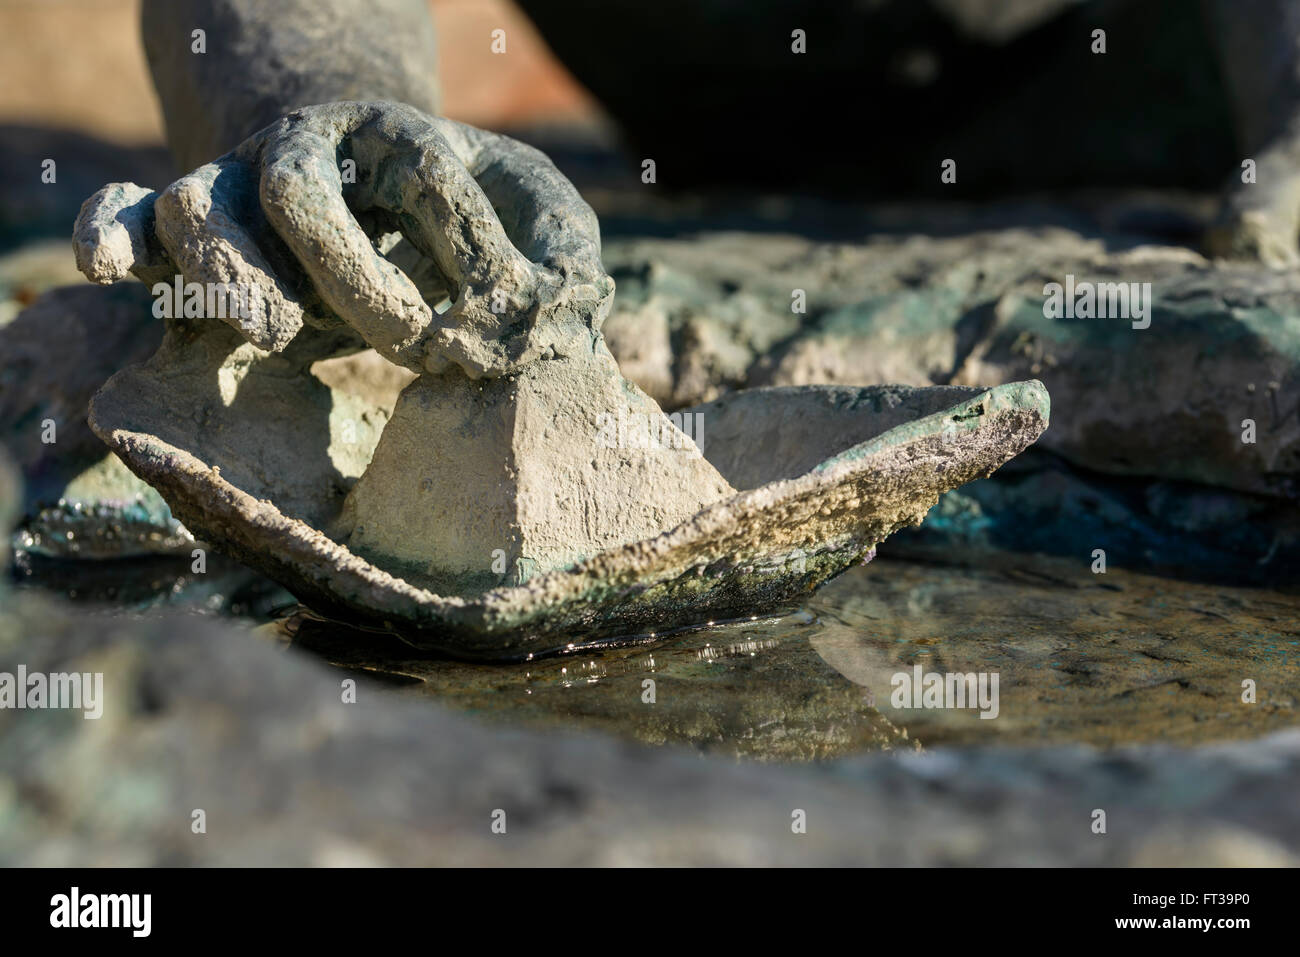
x=1080, y=658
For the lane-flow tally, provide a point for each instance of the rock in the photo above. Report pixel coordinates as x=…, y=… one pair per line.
x=66, y=550
x=689, y=328
x=80, y=501
x=1221, y=353
x=367, y=375
x=1165, y=402
x=913, y=310
x=1176, y=529
x=197, y=716
x=640, y=339
x=80, y=508
x=30, y=270
x=58, y=352
x=10, y=502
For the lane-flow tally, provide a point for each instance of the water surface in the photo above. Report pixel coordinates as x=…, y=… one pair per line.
x=1103, y=659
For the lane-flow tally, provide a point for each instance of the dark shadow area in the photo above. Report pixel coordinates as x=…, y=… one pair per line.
x=33, y=209
x=712, y=91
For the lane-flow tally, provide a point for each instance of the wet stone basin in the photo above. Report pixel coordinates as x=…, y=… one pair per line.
x=1099, y=659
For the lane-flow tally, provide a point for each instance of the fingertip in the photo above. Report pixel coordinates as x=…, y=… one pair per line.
x=111, y=234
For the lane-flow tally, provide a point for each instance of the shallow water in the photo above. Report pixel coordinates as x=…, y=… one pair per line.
x=1102, y=659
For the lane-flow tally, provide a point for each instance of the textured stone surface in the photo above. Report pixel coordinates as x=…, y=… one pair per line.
x=80, y=500
x=30, y=270
x=1173, y=528
x=288, y=774
x=10, y=503
x=697, y=318
x=1163, y=402
x=57, y=353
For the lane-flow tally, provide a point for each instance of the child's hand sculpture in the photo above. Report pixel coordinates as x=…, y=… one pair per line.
x=492, y=509
x=280, y=216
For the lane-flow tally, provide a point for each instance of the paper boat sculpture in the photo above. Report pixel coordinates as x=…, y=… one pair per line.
x=519, y=496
